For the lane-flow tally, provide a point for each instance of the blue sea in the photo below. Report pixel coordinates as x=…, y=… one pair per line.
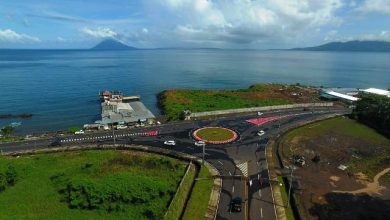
x=60, y=87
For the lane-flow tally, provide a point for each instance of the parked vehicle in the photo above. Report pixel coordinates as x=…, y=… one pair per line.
x=121, y=127
x=200, y=143
x=261, y=133
x=106, y=128
x=79, y=132
x=259, y=113
x=236, y=204
x=170, y=142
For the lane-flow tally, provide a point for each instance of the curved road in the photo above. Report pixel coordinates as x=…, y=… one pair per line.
x=249, y=148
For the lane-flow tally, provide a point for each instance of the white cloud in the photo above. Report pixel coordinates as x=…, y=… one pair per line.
x=247, y=21
x=8, y=35
x=100, y=32
x=60, y=39
x=145, y=30
x=375, y=6
x=382, y=36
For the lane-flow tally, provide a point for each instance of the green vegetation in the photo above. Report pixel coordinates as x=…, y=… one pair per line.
x=284, y=193
x=174, y=102
x=88, y=185
x=199, y=200
x=374, y=110
x=214, y=134
x=178, y=201
x=367, y=150
x=6, y=131
x=8, y=178
x=72, y=130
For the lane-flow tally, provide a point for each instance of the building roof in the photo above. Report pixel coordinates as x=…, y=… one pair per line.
x=377, y=91
x=124, y=112
x=340, y=95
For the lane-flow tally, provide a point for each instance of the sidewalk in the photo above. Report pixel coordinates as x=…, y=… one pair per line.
x=273, y=178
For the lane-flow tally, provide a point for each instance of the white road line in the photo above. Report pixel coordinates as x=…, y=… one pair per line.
x=261, y=212
x=220, y=162
x=233, y=189
x=260, y=192
x=230, y=173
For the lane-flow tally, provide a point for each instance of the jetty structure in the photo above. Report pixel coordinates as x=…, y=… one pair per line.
x=124, y=110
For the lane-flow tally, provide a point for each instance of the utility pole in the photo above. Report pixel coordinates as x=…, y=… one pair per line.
x=289, y=189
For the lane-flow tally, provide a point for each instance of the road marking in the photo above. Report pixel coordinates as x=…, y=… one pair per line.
x=260, y=192
x=230, y=173
x=233, y=189
x=243, y=167
x=261, y=212
x=220, y=162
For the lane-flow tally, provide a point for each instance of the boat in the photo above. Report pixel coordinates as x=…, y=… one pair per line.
x=15, y=124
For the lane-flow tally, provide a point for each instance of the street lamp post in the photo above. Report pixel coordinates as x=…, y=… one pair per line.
x=113, y=135
x=203, y=153
x=289, y=189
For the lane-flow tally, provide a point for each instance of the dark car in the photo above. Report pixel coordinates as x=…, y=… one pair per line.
x=236, y=204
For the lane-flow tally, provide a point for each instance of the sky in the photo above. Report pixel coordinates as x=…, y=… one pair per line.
x=232, y=24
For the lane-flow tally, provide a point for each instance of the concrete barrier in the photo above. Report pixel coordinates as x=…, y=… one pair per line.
x=259, y=109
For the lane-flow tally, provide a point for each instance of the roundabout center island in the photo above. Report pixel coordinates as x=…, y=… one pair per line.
x=215, y=135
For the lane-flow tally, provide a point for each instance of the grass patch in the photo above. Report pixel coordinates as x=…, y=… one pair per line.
x=178, y=202
x=215, y=134
x=90, y=185
x=199, y=200
x=174, y=102
x=284, y=193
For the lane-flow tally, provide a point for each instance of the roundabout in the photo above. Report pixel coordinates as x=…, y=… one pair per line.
x=215, y=135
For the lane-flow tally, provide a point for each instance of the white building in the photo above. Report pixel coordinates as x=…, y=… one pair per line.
x=377, y=91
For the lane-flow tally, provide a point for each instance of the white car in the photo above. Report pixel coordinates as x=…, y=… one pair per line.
x=259, y=113
x=120, y=127
x=171, y=142
x=261, y=133
x=200, y=143
x=79, y=132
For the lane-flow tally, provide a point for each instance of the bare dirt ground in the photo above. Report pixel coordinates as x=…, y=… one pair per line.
x=325, y=184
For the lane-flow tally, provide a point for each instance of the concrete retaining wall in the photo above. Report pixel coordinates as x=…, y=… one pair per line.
x=259, y=109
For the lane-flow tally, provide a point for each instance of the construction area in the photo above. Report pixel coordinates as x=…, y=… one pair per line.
x=340, y=170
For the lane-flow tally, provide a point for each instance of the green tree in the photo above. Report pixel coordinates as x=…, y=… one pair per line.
x=374, y=110
x=10, y=175
x=7, y=130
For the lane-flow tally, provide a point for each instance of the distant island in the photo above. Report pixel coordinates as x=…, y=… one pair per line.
x=111, y=44
x=364, y=46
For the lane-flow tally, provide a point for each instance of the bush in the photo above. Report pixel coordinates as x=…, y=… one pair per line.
x=10, y=175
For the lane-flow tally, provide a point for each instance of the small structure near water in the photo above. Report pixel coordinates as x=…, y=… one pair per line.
x=119, y=109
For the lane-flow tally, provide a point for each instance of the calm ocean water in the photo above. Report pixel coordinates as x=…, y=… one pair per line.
x=61, y=87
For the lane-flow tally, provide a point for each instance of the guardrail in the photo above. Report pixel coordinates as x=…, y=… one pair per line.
x=257, y=109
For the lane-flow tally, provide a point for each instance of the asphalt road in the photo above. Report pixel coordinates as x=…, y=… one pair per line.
x=250, y=148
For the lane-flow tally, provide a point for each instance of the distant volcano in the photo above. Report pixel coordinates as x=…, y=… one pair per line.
x=110, y=44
